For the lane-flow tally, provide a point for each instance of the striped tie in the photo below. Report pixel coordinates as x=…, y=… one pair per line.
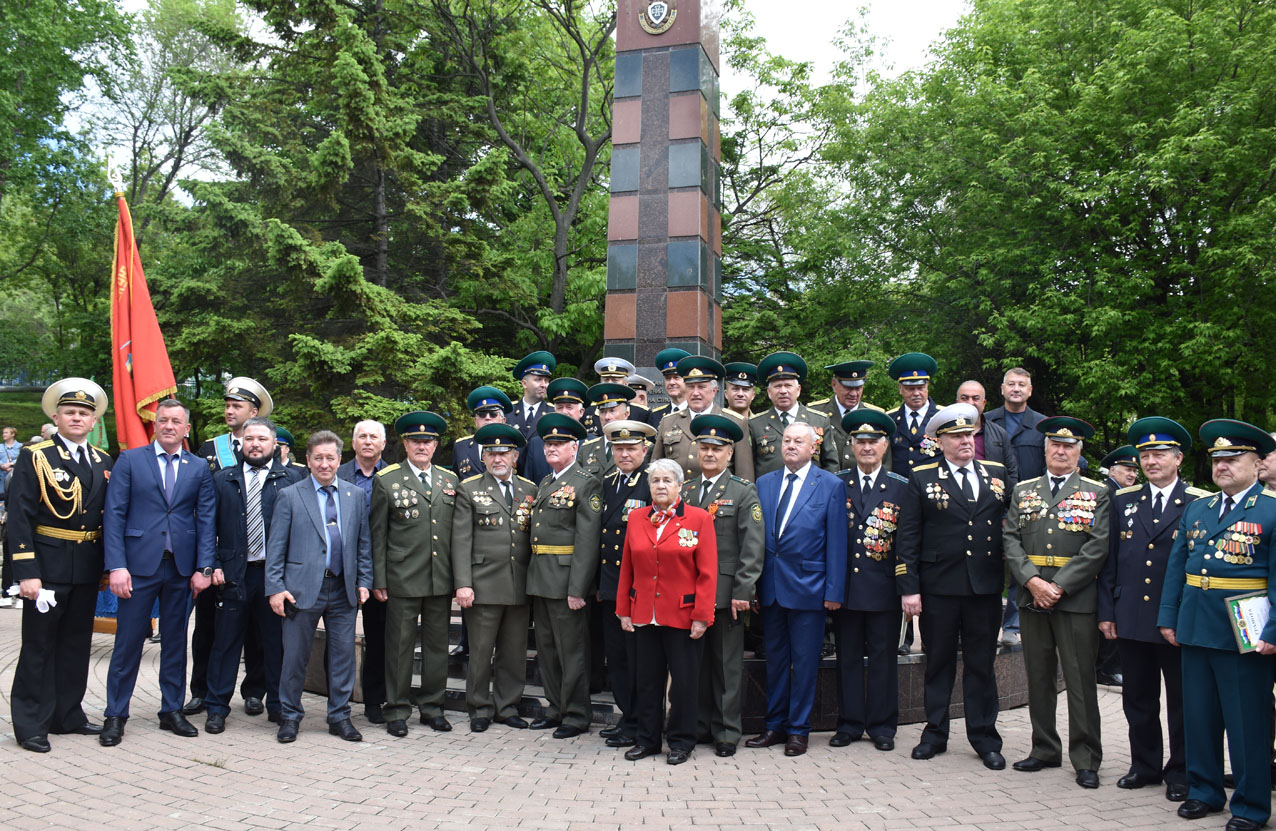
x=256, y=525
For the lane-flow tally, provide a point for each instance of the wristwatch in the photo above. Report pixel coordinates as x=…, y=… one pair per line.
x=207, y=572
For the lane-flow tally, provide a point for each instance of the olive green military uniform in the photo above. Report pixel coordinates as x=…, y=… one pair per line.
x=842, y=456
x=595, y=458
x=566, y=534
x=674, y=441
x=737, y=523
x=1061, y=539
x=766, y=431
x=412, y=560
x=491, y=546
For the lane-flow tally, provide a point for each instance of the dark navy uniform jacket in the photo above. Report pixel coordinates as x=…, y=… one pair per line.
x=872, y=520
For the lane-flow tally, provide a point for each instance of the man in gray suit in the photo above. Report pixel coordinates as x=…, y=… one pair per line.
x=319, y=564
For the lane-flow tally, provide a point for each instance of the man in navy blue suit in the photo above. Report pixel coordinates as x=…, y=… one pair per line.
x=803, y=577
x=159, y=539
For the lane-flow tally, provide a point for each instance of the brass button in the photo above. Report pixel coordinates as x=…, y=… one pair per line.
x=1149, y=562
x=1147, y=580
x=1145, y=597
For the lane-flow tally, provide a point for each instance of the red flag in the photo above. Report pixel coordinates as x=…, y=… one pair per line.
x=143, y=375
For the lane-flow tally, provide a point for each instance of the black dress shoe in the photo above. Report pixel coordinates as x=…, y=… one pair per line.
x=796, y=745
x=397, y=728
x=724, y=749
x=621, y=741
x=478, y=725
x=543, y=723
x=516, y=722
x=112, y=731
x=215, y=723
x=926, y=750
x=459, y=651
x=993, y=760
x=1110, y=679
x=883, y=743
x=36, y=744
x=193, y=707
x=1032, y=764
x=346, y=730
x=253, y=706
x=608, y=732
x=904, y=650
x=88, y=728
x=566, y=731
x=177, y=723
x=438, y=723
x=677, y=757
x=1195, y=809
x=287, y=730
x=1229, y=780
x=1176, y=791
x=1242, y=824
x=372, y=712
x=633, y=754
x=768, y=738
x=1088, y=778
x=1133, y=781
x=841, y=739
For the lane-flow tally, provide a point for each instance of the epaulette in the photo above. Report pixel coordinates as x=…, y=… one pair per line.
x=735, y=478
x=1028, y=482
x=871, y=406
x=760, y=415
x=1130, y=489
x=659, y=408
x=1200, y=493
x=471, y=479
x=731, y=413
x=582, y=473
x=613, y=474
x=1269, y=492
x=823, y=402
x=898, y=476
x=40, y=446
x=847, y=470
x=1094, y=482
x=594, y=439
x=892, y=412
x=449, y=471
x=990, y=462
x=101, y=450
x=463, y=438
x=525, y=479
x=388, y=468
x=930, y=466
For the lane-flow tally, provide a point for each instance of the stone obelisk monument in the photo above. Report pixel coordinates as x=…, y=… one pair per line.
x=664, y=229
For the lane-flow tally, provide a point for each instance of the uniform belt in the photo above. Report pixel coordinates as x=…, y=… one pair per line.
x=1206, y=583
x=256, y=563
x=553, y=549
x=1049, y=560
x=327, y=572
x=63, y=534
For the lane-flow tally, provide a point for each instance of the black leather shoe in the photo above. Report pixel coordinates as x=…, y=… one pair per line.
x=193, y=706
x=926, y=750
x=397, y=728
x=841, y=739
x=883, y=743
x=88, y=728
x=372, y=712
x=459, y=651
x=177, y=723
x=768, y=738
x=253, y=706
x=904, y=650
x=796, y=745
x=566, y=731
x=479, y=725
x=438, y=723
x=513, y=721
x=36, y=744
x=633, y=754
x=608, y=732
x=215, y=723
x=543, y=723
x=1176, y=791
x=677, y=757
x=621, y=741
x=112, y=731
x=1242, y=824
x=724, y=749
x=287, y=730
x=1229, y=781
x=1032, y=764
x=1110, y=679
x=1195, y=809
x=992, y=760
x=1133, y=781
x=346, y=730
x=1088, y=778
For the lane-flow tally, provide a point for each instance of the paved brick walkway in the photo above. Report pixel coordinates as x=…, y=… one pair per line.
x=519, y=779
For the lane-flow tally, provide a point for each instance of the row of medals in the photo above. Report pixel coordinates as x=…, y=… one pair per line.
x=406, y=500
x=1239, y=547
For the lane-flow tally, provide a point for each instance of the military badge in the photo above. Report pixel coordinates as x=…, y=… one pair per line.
x=756, y=514
x=686, y=538
x=595, y=503
x=713, y=508
x=998, y=487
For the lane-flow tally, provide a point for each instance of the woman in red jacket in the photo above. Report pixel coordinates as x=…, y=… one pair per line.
x=668, y=578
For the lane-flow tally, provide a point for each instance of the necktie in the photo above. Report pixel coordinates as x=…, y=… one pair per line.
x=237, y=451
x=1056, y=482
x=170, y=475
x=85, y=472
x=868, y=484
x=915, y=420
x=1228, y=504
x=966, y=487
x=425, y=480
x=790, y=483
x=784, y=419
x=252, y=514
x=1157, y=506
x=704, y=493
x=334, y=530
x=509, y=495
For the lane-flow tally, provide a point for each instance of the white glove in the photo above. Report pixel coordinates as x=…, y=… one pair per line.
x=45, y=601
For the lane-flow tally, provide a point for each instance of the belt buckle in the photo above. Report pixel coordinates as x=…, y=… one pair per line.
x=1049, y=560
x=1205, y=583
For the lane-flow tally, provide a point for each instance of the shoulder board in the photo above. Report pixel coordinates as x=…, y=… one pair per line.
x=762, y=414
x=101, y=450
x=582, y=473
x=898, y=476
x=1201, y=492
x=525, y=479
x=843, y=471
x=446, y=471
x=594, y=440
x=40, y=446
x=869, y=406
x=1028, y=482
x=731, y=413
x=1094, y=482
x=472, y=478
x=465, y=438
x=735, y=478
x=930, y=466
x=1130, y=489
x=388, y=469
x=658, y=409
x=894, y=410
x=1269, y=492
x=990, y=462
x=613, y=474
x=821, y=402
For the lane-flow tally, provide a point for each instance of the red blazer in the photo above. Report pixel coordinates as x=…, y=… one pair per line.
x=684, y=564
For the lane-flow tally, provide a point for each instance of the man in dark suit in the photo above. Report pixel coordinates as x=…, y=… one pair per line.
x=368, y=441
x=319, y=564
x=911, y=446
x=245, y=504
x=160, y=530
x=991, y=441
x=803, y=578
x=1143, y=527
x=56, y=497
x=667, y=363
x=867, y=626
x=489, y=406
x=950, y=573
x=533, y=372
